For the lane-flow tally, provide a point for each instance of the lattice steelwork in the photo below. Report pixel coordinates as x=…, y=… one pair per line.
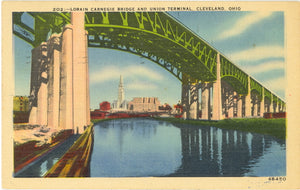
x=255, y=86
x=154, y=35
x=234, y=76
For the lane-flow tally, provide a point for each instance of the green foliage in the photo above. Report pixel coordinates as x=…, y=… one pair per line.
x=273, y=127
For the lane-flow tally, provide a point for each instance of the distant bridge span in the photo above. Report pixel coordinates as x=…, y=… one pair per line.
x=162, y=39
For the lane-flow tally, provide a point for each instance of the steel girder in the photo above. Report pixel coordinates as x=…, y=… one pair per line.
x=154, y=35
x=234, y=76
x=157, y=34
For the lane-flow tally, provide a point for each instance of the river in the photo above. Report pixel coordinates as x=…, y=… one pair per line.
x=142, y=147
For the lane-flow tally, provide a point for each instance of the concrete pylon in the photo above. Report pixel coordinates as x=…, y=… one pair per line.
x=205, y=101
x=60, y=95
x=88, y=113
x=194, y=101
x=262, y=103
x=248, y=100
x=185, y=97
x=235, y=100
x=54, y=81
x=254, y=106
x=230, y=104
x=271, y=105
x=217, y=96
x=226, y=102
x=79, y=72
x=275, y=106
x=239, y=106
x=66, y=103
x=38, y=85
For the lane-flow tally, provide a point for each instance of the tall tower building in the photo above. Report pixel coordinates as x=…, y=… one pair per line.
x=121, y=94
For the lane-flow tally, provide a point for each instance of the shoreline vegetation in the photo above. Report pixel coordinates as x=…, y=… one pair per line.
x=273, y=127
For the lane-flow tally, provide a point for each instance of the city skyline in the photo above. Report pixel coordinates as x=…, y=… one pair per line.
x=254, y=41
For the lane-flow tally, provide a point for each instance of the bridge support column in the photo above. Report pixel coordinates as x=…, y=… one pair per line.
x=230, y=103
x=279, y=107
x=248, y=100
x=60, y=95
x=275, y=107
x=194, y=101
x=239, y=106
x=254, y=106
x=53, y=81
x=185, y=97
x=38, y=86
x=79, y=72
x=235, y=99
x=262, y=103
x=271, y=105
x=205, y=101
x=224, y=102
x=217, y=96
x=66, y=103
x=88, y=111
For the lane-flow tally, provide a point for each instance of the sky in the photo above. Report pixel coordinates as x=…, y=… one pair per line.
x=254, y=41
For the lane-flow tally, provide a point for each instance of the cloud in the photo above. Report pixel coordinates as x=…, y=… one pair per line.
x=277, y=84
x=243, y=24
x=106, y=74
x=112, y=72
x=258, y=53
x=141, y=86
x=264, y=67
x=143, y=72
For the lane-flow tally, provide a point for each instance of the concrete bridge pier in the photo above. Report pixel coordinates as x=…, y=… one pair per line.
x=230, y=103
x=247, y=102
x=235, y=99
x=80, y=74
x=194, y=101
x=262, y=103
x=66, y=103
x=59, y=79
x=271, y=105
x=283, y=108
x=274, y=107
x=185, y=98
x=224, y=102
x=217, y=93
x=254, y=105
x=267, y=107
x=54, y=55
x=38, y=85
x=279, y=107
x=205, y=101
x=239, y=106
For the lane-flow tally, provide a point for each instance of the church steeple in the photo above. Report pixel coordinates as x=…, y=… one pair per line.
x=121, y=94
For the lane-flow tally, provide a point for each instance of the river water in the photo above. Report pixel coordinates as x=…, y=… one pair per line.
x=142, y=147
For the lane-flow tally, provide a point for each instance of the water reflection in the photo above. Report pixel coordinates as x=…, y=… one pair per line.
x=145, y=147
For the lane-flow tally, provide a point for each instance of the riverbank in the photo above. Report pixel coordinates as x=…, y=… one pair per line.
x=33, y=142
x=273, y=127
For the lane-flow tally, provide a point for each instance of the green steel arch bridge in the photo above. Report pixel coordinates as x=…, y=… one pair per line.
x=158, y=37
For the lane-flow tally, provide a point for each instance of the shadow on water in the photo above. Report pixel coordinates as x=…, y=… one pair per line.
x=159, y=148
x=41, y=166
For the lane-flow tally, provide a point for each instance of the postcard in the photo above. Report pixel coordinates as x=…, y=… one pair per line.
x=150, y=95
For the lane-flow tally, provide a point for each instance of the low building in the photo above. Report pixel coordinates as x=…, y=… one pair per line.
x=144, y=104
x=20, y=109
x=21, y=103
